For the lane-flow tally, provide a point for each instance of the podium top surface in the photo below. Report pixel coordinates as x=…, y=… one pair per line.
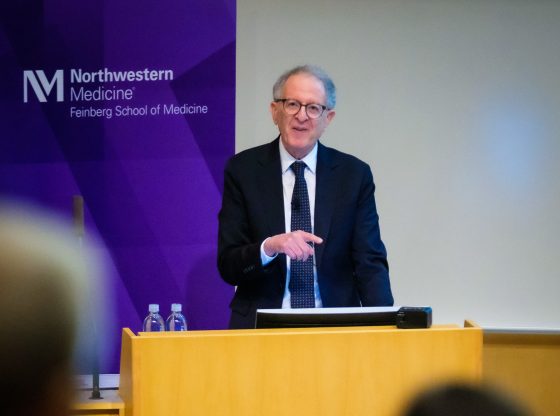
x=295, y=331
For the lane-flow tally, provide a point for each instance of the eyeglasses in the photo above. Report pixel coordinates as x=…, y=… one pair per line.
x=292, y=107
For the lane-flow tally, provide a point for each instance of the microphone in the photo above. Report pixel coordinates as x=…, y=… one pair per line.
x=78, y=217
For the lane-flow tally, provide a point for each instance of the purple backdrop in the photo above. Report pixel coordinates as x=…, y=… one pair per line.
x=151, y=182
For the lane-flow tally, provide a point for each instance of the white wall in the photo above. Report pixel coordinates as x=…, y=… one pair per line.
x=456, y=106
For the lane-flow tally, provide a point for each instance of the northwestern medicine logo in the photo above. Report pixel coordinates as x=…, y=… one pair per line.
x=42, y=86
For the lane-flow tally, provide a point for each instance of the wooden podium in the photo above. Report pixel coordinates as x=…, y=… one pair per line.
x=317, y=371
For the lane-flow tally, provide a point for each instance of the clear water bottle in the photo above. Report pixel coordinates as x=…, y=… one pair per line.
x=154, y=321
x=176, y=321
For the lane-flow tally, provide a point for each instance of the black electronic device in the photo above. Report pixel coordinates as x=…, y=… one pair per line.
x=404, y=317
x=409, y=317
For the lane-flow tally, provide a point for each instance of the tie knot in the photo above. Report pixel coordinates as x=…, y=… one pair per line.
x=298, y=167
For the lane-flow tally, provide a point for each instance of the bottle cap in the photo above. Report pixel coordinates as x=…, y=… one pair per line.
x=154, y=308
x=176, y=307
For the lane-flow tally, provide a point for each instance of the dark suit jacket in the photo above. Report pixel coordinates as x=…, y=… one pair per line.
x=352, y=267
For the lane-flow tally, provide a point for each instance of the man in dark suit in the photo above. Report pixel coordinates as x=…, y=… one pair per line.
x=300, y=237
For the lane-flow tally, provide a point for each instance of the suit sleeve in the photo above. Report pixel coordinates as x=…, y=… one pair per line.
x=371, y=269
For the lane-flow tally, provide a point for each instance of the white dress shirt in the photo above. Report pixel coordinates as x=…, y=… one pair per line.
x=288, y=182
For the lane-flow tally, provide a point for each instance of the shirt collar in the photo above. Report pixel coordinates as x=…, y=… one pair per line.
x=287, y=159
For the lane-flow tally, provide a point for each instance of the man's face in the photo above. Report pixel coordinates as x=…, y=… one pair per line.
x=298, y=132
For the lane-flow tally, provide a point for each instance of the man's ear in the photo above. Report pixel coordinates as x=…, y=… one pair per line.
x=274, y=112
x=330, y=115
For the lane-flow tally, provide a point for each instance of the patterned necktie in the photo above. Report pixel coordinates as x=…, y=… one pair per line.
x=301, y=272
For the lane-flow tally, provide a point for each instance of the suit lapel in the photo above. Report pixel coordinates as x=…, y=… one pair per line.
x=270, y=183
x=325, y=197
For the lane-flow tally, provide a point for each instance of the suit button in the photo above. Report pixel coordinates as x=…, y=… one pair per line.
x=248, y=269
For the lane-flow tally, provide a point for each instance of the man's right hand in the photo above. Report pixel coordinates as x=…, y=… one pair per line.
x=294, y=245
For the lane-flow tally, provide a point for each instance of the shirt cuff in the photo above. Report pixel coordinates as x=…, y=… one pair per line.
x=265, y=259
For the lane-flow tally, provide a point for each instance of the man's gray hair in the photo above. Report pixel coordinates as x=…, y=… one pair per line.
x=313, y=70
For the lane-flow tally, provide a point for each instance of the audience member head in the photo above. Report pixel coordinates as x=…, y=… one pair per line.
x=43, y=275
x=463, y=400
